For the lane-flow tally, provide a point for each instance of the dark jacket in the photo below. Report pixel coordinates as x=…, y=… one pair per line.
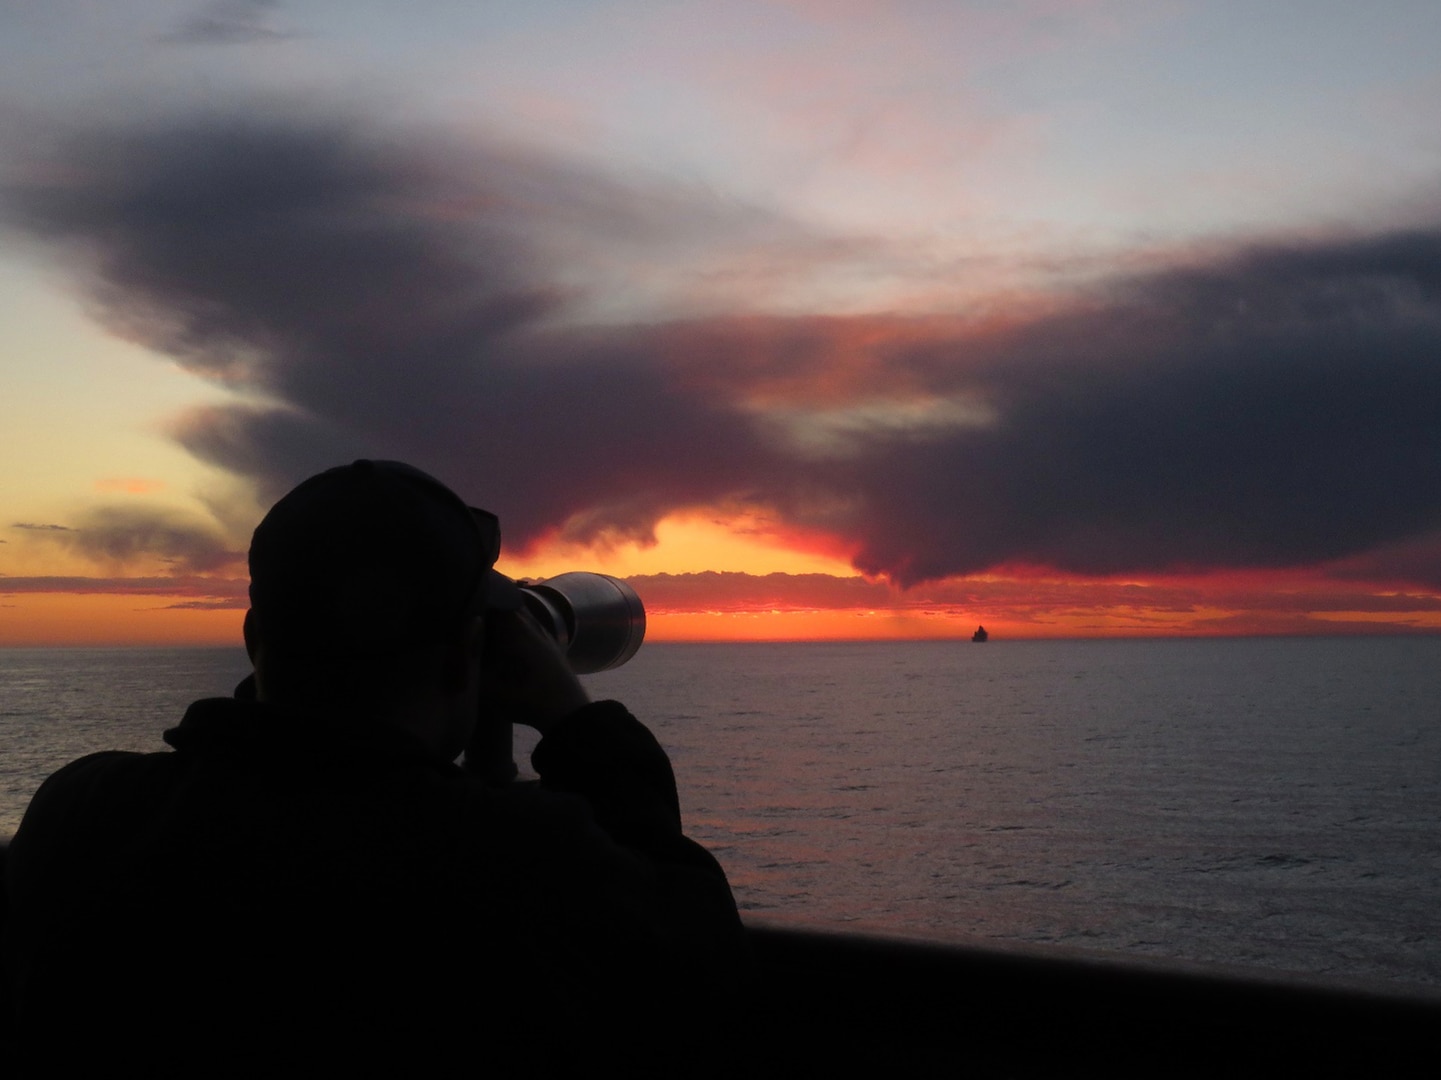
x=288, y=888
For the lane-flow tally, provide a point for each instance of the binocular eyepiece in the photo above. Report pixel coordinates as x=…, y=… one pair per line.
x=597, y=620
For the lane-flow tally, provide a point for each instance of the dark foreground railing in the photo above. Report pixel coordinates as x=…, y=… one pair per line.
x=861, y=1003
x=855, y=1001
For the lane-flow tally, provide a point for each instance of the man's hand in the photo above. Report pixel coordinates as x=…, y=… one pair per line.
x=524, y=677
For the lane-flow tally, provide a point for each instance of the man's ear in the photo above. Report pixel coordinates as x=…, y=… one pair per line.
x=252, y=635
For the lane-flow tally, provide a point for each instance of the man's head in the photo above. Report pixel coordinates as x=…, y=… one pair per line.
x=363, y=581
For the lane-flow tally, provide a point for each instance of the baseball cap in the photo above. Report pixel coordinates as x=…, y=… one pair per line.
x=373, y=556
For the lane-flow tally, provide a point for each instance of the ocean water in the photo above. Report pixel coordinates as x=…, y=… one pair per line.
x=1268, y=802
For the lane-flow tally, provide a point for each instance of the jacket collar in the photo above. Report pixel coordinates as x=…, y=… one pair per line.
x=228, y=724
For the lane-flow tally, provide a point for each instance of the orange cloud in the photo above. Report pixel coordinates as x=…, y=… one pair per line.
x=734, y=606
x=129, y=485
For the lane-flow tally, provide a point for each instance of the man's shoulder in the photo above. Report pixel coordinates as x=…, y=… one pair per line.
x=92, y=788
x=99, y=771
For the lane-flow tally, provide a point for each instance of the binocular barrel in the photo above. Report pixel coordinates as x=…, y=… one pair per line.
x=598, y=620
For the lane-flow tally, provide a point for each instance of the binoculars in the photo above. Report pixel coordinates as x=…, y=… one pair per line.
x=597, y=620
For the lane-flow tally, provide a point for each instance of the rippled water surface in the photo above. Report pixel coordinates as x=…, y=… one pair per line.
x=1272, y=802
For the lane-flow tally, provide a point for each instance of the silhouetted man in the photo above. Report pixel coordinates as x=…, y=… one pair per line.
x=307, y=877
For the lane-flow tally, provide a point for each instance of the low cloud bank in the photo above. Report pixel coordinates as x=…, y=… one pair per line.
x=203, y=592
x=1013, y=597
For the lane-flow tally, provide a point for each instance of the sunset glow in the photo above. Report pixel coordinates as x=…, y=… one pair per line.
x=53, y=619
x=830, y=322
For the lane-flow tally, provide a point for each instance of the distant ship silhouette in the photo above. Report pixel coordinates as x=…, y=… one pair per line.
x=980, y=635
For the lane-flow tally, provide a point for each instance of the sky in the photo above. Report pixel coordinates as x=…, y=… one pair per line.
x=813, y=319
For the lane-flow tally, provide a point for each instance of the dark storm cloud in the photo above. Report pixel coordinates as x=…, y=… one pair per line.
x=396, y=299
x=122, y=534
x=1280, y=408
x=379, y=291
